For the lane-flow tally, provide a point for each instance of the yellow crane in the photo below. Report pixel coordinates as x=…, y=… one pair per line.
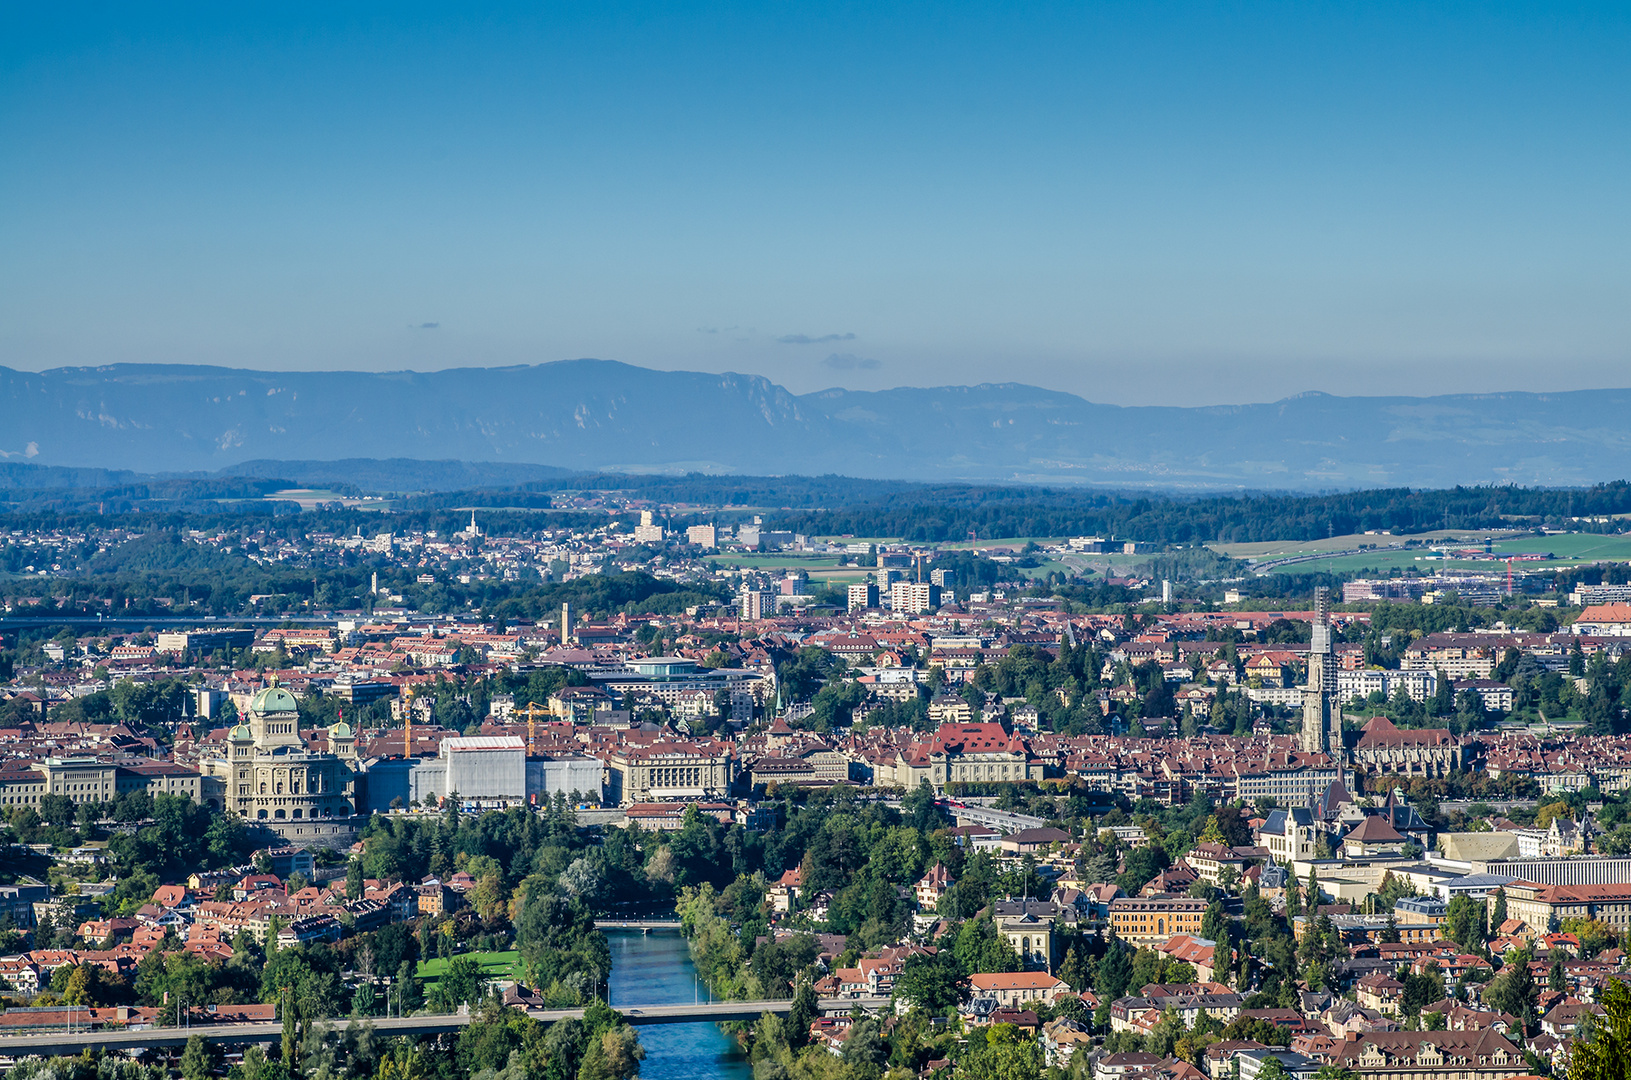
x=532, y=712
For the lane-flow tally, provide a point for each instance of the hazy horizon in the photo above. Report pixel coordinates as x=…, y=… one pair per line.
x=882, y=386
x=1178, y=204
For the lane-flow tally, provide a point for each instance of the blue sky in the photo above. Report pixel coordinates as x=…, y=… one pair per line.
x=1172, y=202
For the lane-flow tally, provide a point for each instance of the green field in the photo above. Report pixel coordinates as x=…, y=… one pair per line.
x=1015, y=542
x=1281, y=549
x=494, y=965
x=1048, y=568
x=776, y=560
x=1568, y=550
x=819, y=567
x=840, y=576
x=1383, y=561
x=1578, y=547
x=307, y=498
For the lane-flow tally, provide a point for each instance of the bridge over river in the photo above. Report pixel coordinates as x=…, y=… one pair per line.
x=637, y=924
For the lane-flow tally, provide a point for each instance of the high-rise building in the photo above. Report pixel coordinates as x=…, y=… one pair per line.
x=753, y=604
x=1166, y=591
x=863, y=595
x=913, y=597
x=702, y=536
x=886, y=579
x=946, y=579
x=648, y=531
x=566, y=624
x=1322, y=715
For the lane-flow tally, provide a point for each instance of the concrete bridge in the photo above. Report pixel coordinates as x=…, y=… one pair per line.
x=58, y=1042
x=1000, y=820
x=637, y=924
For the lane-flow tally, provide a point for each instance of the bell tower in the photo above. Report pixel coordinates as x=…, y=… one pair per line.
x=1322, y=715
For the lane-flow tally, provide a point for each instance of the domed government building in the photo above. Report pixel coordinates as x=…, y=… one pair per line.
x=272, y=780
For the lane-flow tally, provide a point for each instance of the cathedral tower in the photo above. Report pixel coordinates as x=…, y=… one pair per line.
x=1322, y=715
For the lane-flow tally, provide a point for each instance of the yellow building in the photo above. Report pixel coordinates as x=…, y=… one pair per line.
x=1544, y=907
x=1151, y=921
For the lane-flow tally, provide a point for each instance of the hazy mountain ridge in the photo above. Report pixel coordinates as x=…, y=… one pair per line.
x=593, y=414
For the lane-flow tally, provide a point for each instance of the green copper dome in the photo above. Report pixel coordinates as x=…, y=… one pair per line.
x=274, y=699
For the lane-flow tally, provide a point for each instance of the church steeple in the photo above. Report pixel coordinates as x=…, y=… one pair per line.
x=1322, y=714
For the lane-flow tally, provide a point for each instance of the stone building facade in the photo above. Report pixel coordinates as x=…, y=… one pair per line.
x=704, y=769
x=1425, y=752
x=1405, y=1055
x=980, y=753
x=272, y=780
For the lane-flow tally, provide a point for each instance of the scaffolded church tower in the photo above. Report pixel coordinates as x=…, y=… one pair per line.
x=1322, y=716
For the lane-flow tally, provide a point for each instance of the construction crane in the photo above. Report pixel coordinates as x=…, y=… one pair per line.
x=532, y=712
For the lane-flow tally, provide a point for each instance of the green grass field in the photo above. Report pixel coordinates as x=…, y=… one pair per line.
x=494, y=965
x=841, y=576
x=1568, y=550
x=310, y=497
x=1004, y=542
x=1575, y=546
x=1280, y=549
x=1047, y=568
x=821, y=568
x=790, y=560
x=1383, y=561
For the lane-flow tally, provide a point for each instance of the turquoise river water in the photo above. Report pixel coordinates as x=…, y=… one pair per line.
x=655, y=969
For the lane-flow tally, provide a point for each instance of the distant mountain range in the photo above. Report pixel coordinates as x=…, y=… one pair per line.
x=602, y=415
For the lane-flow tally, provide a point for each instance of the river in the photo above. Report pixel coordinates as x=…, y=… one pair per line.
x=655, y=969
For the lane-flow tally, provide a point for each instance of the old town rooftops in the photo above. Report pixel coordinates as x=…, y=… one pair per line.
x=1379, y=732
x=975, y=739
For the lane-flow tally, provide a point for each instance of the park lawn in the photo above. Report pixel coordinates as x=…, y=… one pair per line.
x=494, y=965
